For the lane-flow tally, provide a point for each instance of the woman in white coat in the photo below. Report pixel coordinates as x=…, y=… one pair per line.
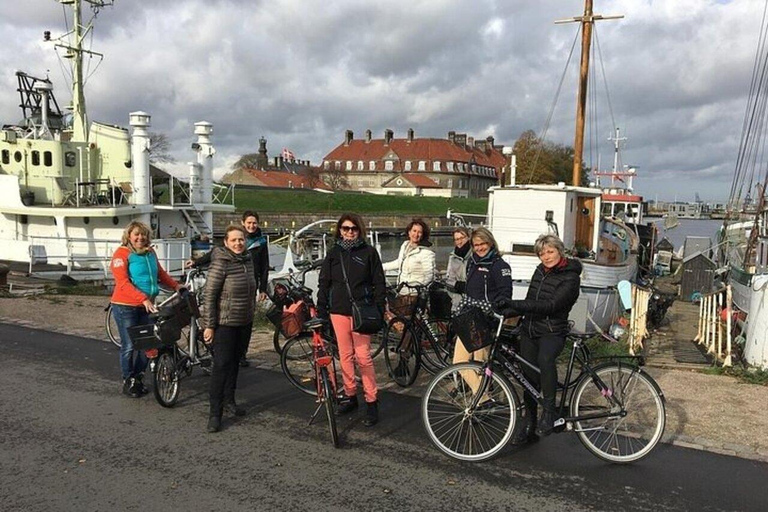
x=415, y=262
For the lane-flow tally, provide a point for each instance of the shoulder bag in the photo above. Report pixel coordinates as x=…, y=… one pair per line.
x=366, y=318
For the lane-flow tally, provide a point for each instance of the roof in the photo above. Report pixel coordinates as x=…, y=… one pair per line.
x=417, y=180
x=280, y=179
x=696, y=255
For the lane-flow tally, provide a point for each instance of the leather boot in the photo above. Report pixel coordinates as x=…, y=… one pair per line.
x=371, y=414
x=526, y=433
x=548, y=417
x=214, y=424
x=347, y=405
x=230, y=407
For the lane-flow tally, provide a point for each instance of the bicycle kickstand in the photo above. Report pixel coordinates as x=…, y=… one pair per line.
x=314, y=415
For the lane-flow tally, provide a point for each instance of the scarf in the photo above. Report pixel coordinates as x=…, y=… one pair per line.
x=488, y=257
x=462, y=251
x=348, y=245
x=254, y=240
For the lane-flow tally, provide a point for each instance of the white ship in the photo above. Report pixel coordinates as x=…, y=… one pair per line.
x=68, y=187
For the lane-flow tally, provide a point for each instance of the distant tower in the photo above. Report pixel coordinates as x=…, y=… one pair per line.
x=262, y=160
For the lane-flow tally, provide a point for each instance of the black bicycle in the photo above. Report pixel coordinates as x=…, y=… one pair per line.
x=416, y=338
x=470, y=410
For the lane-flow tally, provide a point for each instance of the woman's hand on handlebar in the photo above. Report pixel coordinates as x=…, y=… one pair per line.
x=208, y=335
x=504, y=307
x=149, y=306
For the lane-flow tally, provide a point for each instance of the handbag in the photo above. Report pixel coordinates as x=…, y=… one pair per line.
x=366, y=317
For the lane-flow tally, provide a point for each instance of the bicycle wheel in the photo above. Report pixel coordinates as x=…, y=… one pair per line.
x=203, y=351
x=639, y=419
x=298, y=364
x=401, y=353
x=166, y=380
x=463, y=433
x=113, y=333
x=377, y=343
x=330, y=404
x=278, y=341
x=437, y=353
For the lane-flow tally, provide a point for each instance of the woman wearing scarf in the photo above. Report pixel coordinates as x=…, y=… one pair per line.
x=456, y=272
x=138, y=276
x=362, y=267
x=489, y=280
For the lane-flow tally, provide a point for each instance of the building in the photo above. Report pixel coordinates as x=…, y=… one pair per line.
x=457, y=166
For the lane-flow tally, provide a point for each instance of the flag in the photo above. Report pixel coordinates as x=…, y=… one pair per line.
x=288, y=155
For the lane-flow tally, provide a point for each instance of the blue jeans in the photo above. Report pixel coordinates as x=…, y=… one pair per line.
x=132, y=362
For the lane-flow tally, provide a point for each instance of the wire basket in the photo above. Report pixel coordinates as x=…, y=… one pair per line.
x=474, y=329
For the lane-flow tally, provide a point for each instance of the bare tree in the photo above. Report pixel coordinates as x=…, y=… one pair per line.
x=248, y=161
x=160, y=149
x=336, y=178
x=314, y=176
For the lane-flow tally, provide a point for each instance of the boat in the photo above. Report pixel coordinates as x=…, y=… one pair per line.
x=68, y=186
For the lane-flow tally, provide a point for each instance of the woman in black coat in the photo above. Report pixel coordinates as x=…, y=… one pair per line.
x=365, y=279
x=552, y=293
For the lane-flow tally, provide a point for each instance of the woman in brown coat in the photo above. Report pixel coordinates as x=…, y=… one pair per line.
x=230, y=292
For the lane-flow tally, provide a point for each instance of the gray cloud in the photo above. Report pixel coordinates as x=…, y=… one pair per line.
x=301, y=72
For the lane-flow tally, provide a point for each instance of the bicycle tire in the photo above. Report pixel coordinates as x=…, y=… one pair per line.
x=203, y=351
x=434, y=353
x=377, y=343
x=166, y=380
x=402, y=354
x=461, y=433
x=110, y=325
x=298, y=364
x=620, y=439
x=277, y=337
x=329, y=401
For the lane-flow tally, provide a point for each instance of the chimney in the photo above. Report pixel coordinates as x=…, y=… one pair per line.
x=452, y=137
x=470, y=141
x=348, y=136
x=490, y=141
x=388, y=134
x=367, y=135
x=410, y=134
x=280, y=162
x=460, y=139
x=275, y=162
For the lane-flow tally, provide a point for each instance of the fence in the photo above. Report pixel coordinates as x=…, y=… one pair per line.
x=712, y=324
x=638, y=329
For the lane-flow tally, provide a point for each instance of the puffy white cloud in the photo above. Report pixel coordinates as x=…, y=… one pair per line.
x=300, y=72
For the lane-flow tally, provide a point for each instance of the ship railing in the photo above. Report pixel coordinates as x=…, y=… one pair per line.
x=89, y=252
x=223, y=194
x=88, y=192
x=180, y=194
x=715, y=329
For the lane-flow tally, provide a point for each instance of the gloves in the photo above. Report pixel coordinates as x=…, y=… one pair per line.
x=460, y=286
x=505, y=307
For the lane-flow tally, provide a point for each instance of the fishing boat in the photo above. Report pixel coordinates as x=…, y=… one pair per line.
x=68, y=186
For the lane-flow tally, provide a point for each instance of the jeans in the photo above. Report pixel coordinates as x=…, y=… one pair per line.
x=132, y=362
x=229, y=343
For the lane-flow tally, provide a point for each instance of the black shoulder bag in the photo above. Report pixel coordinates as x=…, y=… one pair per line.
x=366, y=318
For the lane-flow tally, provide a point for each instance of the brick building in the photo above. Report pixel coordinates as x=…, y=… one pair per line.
x=457, y=166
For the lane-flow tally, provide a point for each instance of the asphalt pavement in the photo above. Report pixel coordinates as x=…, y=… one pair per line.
x=70, y=440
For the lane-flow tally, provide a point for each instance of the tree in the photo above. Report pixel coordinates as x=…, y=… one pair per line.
x=541, y=161
x=160, y=149
x=249, y=161
x=336, y=177
x=314, y=176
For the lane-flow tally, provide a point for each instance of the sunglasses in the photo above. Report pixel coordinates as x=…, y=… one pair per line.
x=350, y=228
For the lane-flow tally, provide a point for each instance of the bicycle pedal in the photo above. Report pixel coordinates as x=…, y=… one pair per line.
x=560, y=422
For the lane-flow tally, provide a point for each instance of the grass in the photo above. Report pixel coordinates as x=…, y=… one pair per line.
x=78, y=289
x=745, y=375
x=301, y=201
x=598, y=348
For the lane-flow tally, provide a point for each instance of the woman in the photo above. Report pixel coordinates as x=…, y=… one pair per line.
x=365, y=279
x=415, y=262
x=456, y=272
x=552, y=293
x=256, y=245
x=138, y=276
x=230, y=293
x=489, y=280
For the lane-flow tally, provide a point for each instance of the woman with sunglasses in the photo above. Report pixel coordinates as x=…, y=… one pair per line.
x=456, y=272
x=363, y=273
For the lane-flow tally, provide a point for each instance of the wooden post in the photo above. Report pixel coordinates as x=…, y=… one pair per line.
x=712, y=323
x=586, y=43
x=719, y=325
x=729, y=310
x=699, y=332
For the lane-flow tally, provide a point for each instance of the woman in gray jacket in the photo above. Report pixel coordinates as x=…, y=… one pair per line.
x=230, y=292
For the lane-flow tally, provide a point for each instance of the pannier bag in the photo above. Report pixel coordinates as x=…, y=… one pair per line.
x=290, y=320
x=474, y=329
x=278, y=291
x=440, y=304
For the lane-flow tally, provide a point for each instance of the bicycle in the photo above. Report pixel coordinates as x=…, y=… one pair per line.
x=414, y=340
x=616, y=409
x=169, y=362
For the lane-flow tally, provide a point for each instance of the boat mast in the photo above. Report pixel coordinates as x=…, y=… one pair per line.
x=74, y=51
x=587, y=20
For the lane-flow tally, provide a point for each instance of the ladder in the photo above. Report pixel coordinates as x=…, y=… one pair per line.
x=196, y=221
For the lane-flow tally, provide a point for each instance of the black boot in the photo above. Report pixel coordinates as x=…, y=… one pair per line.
x=214, y=424
x=526, y=433
x=371, y=414
x=141, y=389
x=548, y=417
x=347, y=404
x=244, y=362
x=230, y=407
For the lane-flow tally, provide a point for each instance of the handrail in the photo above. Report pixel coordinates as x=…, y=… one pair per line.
x=711, y=324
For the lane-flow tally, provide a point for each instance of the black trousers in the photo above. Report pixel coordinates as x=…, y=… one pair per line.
x=229, y=342
x=542, y=352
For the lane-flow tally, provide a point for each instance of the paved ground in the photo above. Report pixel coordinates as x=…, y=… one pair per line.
x=706, y=412
x=71, y=441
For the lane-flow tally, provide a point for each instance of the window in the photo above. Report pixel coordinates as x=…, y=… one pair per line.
x=17, y=156
x=450, y=182
x=337, y=166
x=35, y=157
x=326, y=165
x=6, y=156
x=450, y=166
x=349, y=165
x=372, y=165
x=47, y=158
x=436, y=166
x=389, y=165
x=407, y=165
x=422, y=165
x=360, y=165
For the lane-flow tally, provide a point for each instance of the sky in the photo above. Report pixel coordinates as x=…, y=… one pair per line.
x=301, y=72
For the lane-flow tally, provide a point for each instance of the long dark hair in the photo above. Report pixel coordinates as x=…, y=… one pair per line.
x=354, y=219
x=424, y=229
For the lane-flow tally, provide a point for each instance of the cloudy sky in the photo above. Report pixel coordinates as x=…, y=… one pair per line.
x=300, y=72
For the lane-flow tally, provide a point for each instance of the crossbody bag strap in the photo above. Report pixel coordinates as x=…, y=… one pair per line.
x=346, y=281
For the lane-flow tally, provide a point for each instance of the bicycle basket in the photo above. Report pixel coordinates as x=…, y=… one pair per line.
x=440, y=304
x=403, y=305
x=291, y=319
x=278, y=291
x=144, y=337
x=473, y=328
